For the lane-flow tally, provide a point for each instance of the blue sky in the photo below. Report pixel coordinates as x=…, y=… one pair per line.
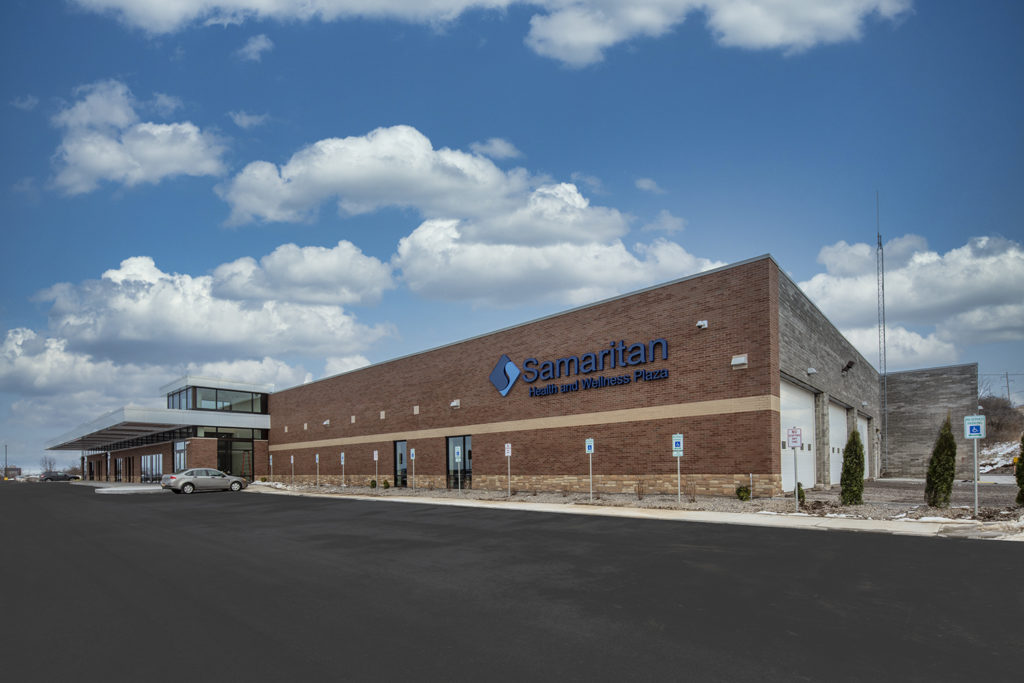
x=277, y=193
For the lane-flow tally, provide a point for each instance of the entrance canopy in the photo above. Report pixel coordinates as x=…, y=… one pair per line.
x=132, y=423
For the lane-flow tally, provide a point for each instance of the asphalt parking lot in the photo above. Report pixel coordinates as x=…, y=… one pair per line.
x=256, y=587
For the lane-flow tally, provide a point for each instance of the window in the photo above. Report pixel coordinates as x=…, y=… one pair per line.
x=221, y=399
x=152, y=467
x=180, y=455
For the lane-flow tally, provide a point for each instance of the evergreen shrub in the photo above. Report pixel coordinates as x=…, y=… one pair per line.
x=743, y=492
x=851, y=482
x=1018, y=471
x=941, y=468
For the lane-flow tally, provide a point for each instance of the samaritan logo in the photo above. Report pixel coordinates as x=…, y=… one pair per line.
x=504, y=375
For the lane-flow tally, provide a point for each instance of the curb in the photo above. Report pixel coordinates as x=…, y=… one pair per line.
x=954, y=528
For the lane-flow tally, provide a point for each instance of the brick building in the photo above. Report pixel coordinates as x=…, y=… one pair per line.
x=731, y=358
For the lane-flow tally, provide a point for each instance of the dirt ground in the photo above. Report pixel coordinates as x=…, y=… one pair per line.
x=886, y=499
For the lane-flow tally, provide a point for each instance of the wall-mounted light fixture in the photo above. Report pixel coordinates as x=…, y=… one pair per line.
x=454, y=404
x=702, y=324
x=846, y=368
x=812, y=371
x=739, y=362
x=863, y=404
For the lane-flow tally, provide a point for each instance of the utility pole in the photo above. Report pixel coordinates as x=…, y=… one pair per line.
x=880, y=268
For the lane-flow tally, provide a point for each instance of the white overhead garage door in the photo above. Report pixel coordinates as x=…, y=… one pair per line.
x=836, y=441
x=797, y=410
x=865, y=438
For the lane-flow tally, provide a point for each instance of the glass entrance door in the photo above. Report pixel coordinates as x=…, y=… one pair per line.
x=460, y=462
x=401, y=463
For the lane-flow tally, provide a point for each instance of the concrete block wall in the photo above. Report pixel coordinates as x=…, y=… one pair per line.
x=807, y=339
x=918, y=402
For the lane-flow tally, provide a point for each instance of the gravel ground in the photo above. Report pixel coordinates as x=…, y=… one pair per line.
x=901, y=499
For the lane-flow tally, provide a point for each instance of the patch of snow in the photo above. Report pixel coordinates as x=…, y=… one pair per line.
x=933, y=519
x=998, y=455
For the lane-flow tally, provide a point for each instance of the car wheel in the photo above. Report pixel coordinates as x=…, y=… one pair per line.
x=188, y=488
x=236, y=486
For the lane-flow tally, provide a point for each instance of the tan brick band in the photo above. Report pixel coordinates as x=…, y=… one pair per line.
x=678, y=410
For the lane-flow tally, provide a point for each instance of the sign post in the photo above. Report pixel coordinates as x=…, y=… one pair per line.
x=508, y=459
x=318, y=470
x=271, y=467
x=343, y=483
x=412, y=458
x=677, y=453
x=376, y=476
x=795, y=437
x=974, y=429
x=590, y=454
x=292, y=458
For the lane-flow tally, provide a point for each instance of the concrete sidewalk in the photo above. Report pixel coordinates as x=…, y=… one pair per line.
x=1009, y=531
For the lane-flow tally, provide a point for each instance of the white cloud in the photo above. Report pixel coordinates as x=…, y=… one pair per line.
x=394, y=166
x=254, y=48
x=263, y=371
x=247, y=121
x=667, y=223
x=166, y=105
x=487, y=235
x=935, y=303
x=339, y=275
x=105, y=141
x=438, y=261
x=25, y=102
x=335, y=365
x=496, y=148
x=575, y=32
x=903, y=348
x=795, y=26
x=139, y=313
x=648, y=185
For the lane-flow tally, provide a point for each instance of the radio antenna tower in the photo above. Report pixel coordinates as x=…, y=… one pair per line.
x=880, y=268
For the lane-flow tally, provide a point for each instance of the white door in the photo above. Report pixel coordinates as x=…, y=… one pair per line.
x=797, y=410
x=865, y=438
x=836, y=441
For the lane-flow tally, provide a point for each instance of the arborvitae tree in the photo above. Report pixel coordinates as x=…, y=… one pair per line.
x=851, y=481
x=941, y=468
x=1019, y=471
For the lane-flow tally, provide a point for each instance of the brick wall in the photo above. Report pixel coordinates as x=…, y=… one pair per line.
x=703, y=396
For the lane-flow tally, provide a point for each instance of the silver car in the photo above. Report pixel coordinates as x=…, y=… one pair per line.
x=201, y=479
